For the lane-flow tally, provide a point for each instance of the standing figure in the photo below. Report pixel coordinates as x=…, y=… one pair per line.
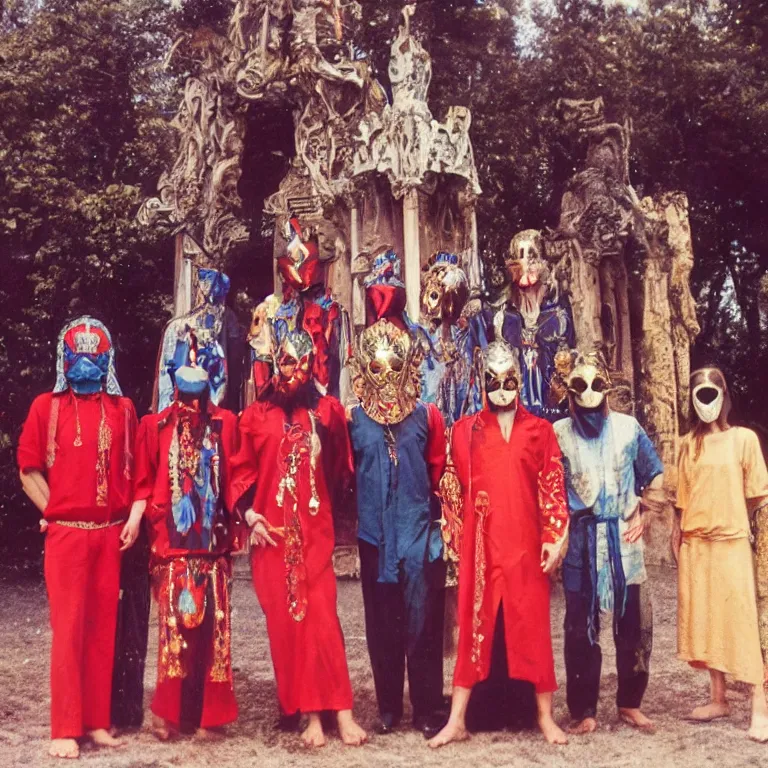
x=446, y=369
x=294, y=467
x=722, y=481
x=513, y=522
x=216, y=333
x=536, y=321
x=75, y=456
x=399, y=449
x=306, y=305
x=608, y=460
x=184, y=460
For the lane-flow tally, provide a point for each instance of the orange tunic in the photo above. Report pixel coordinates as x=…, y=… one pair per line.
x=515, y=491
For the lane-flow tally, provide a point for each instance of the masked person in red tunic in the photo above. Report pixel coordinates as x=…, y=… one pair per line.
x=184, y=456
x=506, y=517
x=292, y=470
x=75, y=457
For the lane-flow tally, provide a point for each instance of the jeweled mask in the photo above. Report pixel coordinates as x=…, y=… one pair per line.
x=501, y=371
x=85, y=359
x=589, y=381
x=385, y=372
x=293, y=362
x=445, y=289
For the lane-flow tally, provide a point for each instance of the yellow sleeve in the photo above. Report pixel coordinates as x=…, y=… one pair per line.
x=753, y=465
x=683, y=483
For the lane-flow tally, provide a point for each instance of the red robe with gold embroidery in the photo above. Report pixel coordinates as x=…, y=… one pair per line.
x=194, y=682
x=514, y=500
x=296, y=466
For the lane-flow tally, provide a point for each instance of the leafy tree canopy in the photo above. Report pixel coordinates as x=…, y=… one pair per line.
x=86, y=95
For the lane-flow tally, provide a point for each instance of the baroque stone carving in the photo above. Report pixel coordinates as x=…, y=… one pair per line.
x=625, y=264
x=402, y=140
x=199, y=193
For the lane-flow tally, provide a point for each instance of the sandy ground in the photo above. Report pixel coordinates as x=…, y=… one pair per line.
x=673, y=690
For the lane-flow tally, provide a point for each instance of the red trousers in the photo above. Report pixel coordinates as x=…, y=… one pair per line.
x=82, y=575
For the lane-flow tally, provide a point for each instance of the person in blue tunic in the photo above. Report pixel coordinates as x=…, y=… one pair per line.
x=610, y=463
x=535, y=319
x=398, y=444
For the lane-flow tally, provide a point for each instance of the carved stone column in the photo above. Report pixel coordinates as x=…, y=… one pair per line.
x=412, y=255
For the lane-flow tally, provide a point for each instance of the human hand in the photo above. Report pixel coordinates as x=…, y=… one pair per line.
x=677, y=540
x=43, y=525
x=636, y=527
x=550, y=557
x=130, y=533
x=259, y=536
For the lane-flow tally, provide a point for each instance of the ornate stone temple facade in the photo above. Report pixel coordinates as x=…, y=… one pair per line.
x=367, y=175
x=373, y=172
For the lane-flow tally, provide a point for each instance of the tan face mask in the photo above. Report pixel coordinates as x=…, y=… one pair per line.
x=588, y=386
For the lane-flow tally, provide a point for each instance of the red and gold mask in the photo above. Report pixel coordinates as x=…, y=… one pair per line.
x=293, y=362
x=300, y=267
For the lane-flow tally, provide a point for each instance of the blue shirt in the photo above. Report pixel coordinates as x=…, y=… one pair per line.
x=397, y=511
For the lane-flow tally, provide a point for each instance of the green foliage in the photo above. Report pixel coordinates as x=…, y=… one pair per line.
x=84, y=136
x=81, y=144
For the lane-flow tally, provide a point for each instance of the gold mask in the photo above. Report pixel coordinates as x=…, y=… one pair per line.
x=385, y=372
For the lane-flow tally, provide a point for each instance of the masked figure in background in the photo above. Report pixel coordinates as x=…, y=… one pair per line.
x=184, y=472
x=514, y=517
x=446, y=369
x=306, y=305
x=722, y=482
x=292, y=471
x=399, y=449
x=535, y=320
x=218, y=339
x=609, y=460
x=75, y=455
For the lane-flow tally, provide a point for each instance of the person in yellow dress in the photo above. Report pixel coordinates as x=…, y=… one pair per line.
x=722, y=480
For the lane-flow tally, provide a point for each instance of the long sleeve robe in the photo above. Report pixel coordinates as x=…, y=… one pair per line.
x=514, y=500
x=294, y=581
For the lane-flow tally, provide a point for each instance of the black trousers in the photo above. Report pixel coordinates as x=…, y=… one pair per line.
x=633, y=635
x=500, y=702
x=404, y=621
x=131, y=635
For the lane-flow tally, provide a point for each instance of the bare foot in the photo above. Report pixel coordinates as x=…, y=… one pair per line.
x=758, y=729
x=68, y=748
x=587, y=725
x=209, y=734
x=709, y=712
x=313, y=735
x=553, y=733
x=351, y=733
x=636, y=719
x=101, y=737
x=451, y=732
x=162, y=729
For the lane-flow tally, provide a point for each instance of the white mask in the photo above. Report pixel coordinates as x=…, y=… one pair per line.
x=708, y=411
x=587, y=385
x=502, y=375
